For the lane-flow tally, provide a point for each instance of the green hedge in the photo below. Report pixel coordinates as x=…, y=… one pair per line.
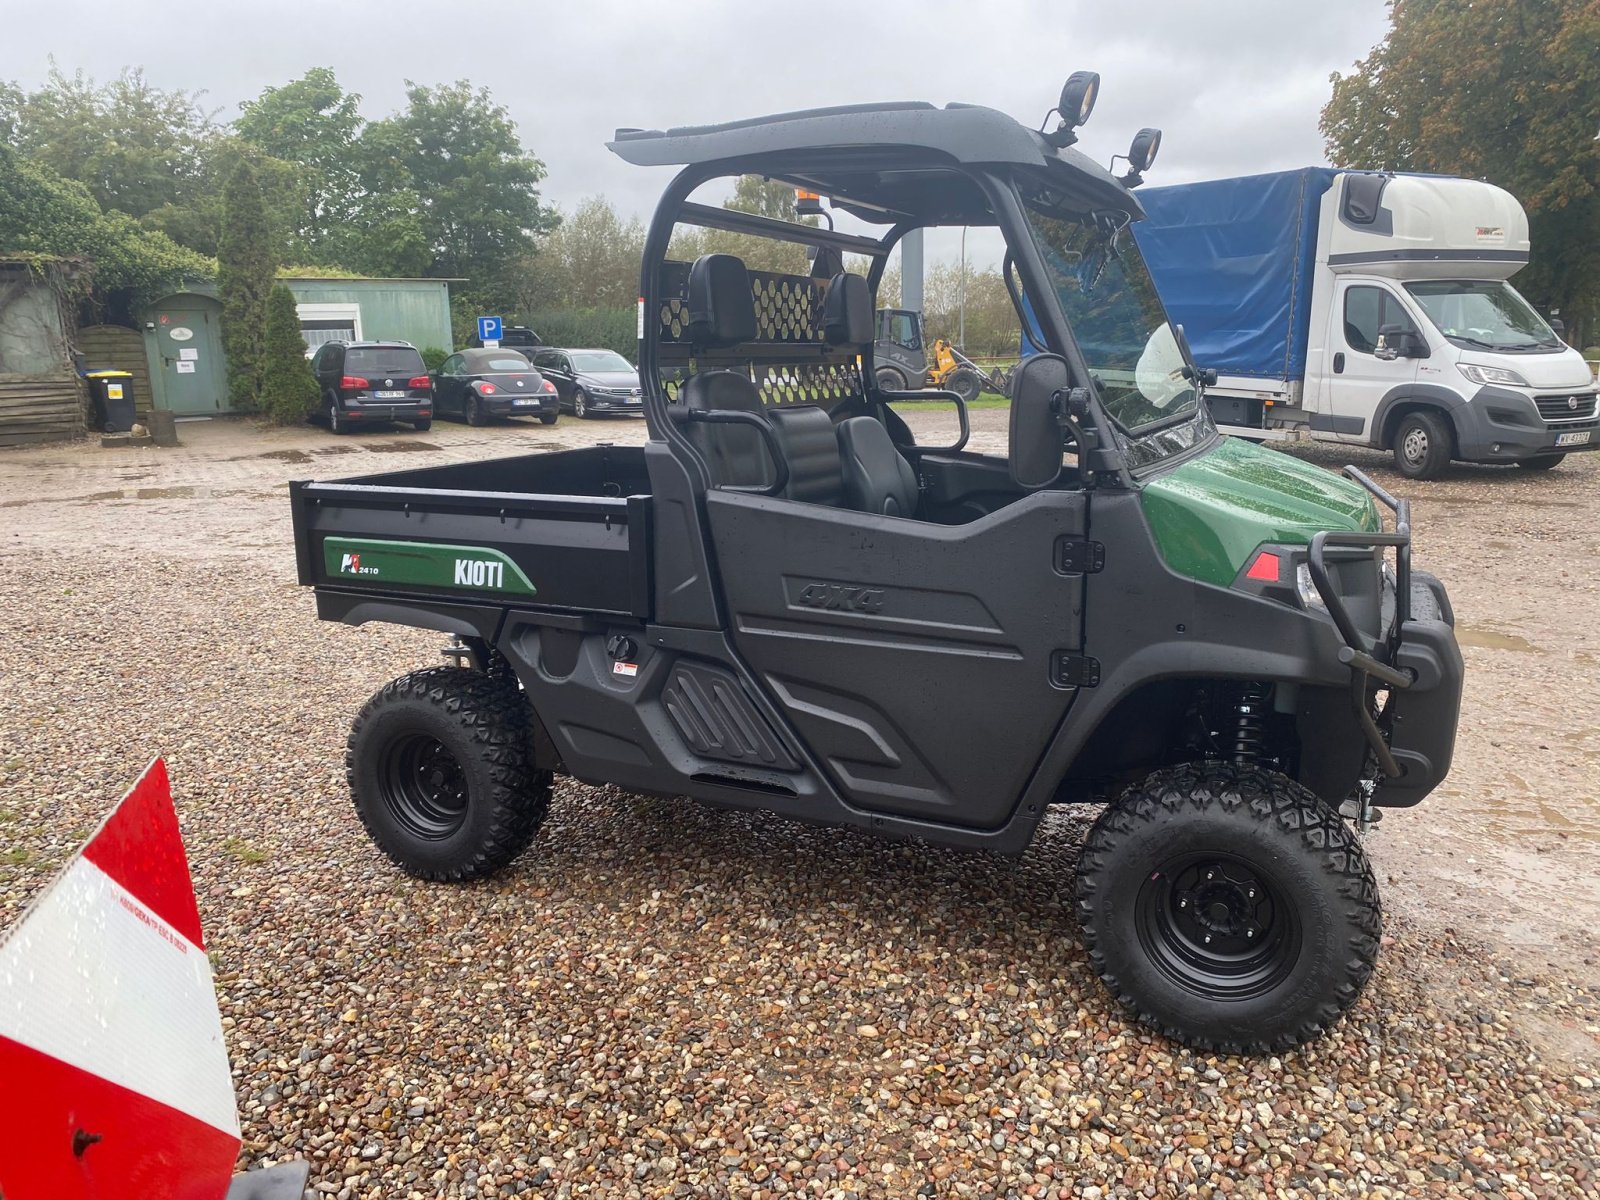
x=587, y=328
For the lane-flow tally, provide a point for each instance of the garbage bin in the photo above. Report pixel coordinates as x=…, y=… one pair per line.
x=112, y=393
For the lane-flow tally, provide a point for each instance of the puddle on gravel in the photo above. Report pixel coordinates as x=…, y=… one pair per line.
x=162, y=493
x=1491, y=639
x=288, y=456
x=400, y=447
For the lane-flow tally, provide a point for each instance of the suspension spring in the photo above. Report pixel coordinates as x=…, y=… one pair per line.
x=1250, y=723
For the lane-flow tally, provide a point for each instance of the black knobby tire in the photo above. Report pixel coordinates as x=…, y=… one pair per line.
x=1422, y=445
x=1229, y=908
x=422, y=426
x=1541, y=462
x=965, y=383
x=441, y=770
x=890, y=379
x=548, y=418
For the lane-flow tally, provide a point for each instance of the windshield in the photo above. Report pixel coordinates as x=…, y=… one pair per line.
x=1110, y=302
x=599, y=360
x=1483, y=314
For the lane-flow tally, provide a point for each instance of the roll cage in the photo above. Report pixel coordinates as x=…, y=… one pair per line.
x=900, y=166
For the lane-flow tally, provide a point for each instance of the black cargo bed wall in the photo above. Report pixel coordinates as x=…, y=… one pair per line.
x=593, y=471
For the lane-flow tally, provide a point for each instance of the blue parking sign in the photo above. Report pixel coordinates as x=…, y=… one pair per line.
x=490, y=328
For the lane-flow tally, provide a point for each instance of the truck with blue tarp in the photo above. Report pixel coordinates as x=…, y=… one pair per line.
x=1368, y=308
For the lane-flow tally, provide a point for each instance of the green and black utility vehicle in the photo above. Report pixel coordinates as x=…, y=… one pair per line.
x=782, y=601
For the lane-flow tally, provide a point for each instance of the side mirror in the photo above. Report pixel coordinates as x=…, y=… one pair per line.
x=1204, y=376
x=1558, y=327
x=1038, y=389
x=1396, y=341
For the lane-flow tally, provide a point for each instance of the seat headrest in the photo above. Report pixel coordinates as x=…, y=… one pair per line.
x=721, y=310
x=847, y=311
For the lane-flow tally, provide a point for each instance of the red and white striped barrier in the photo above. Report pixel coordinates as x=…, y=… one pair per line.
x=114, y=1078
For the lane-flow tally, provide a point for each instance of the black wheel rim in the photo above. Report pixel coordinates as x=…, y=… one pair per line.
x=423, y=786
x=1218, y=926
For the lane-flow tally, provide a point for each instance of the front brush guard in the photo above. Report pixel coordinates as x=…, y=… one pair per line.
x=1370, y=661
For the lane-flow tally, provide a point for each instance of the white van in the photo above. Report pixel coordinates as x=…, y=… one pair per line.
x=1369, y=308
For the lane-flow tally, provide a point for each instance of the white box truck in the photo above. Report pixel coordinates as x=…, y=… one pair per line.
x=1369, y=308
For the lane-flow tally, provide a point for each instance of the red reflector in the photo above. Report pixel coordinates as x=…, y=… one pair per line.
x=354, y=381
x=419, y=381
x=488, y=389
x=1265, y=568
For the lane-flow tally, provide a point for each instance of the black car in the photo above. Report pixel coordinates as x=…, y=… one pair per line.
x=477, y=385
x=364, y=382
x=591, y=382
x=517, y=336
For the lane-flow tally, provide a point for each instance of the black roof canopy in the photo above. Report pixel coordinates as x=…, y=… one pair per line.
x=885, y=163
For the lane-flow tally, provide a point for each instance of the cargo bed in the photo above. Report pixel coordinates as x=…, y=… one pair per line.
x=557, y=531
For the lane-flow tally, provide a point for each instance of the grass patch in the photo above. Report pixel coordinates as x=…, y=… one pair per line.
x=243, y=851
x=16, y=856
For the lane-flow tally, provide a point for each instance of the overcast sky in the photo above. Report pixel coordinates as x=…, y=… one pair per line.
x=1236, y=85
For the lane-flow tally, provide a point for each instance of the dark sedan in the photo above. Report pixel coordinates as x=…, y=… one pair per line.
x=478, y=385
x=591, y=382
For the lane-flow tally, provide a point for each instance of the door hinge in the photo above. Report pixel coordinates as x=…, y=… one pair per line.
x=1079, y=556
x=1068, y=670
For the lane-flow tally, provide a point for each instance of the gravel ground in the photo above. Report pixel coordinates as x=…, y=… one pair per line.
x=663, y=1000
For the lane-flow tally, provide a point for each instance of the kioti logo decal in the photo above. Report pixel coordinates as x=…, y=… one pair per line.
x=842, y=597
x=475, y=572
x=350, y=564
x=387, y=563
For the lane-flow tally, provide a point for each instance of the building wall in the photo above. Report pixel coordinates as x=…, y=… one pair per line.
x=406, y=310
x=41, y=398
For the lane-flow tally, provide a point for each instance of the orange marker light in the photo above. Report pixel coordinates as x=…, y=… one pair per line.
x=1265, y=568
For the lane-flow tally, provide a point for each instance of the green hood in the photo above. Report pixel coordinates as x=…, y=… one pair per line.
x=1210, y=514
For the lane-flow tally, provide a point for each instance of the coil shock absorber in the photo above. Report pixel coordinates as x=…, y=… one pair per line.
x=1249, y=724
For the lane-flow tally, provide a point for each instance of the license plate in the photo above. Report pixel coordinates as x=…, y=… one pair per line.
x=1574, y=439
x=387, y=395
x=524, y=403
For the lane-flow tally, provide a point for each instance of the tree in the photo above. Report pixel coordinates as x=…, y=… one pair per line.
x=458, y=153
x=1503, y=90
x=135, y=146
x=198, y=223
x=10, y=111
x=42, y=213
x=313, y=122
x=246, y=265
x=591, y=260
x=389, y=236
x=288, y=388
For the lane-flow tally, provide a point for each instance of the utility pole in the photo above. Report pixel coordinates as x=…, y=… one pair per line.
x=961, y=294
x=911, y=271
